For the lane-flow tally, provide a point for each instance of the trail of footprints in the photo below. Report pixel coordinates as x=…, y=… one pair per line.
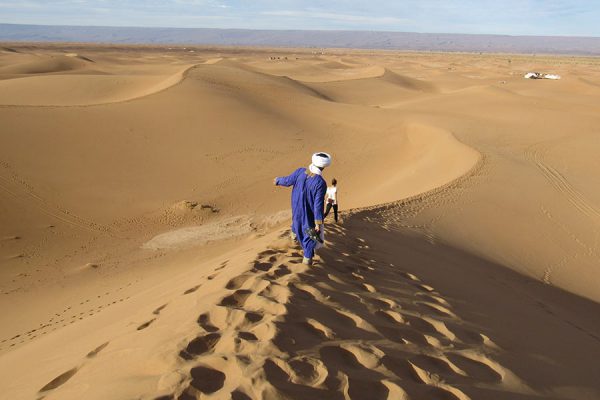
x=286, y=330
x=64, y=377
x=69, y=315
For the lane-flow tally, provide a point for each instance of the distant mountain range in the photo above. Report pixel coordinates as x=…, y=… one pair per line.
x=312, y=39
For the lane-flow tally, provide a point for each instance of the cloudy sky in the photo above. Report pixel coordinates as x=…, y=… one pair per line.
x=515, y=17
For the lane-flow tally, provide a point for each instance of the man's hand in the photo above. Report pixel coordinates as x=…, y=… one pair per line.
x=275, y=181
x=318, y=229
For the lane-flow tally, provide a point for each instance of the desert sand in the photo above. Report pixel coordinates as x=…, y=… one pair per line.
x=145, y=252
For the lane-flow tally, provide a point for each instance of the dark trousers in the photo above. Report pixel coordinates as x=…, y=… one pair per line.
x=335, y=209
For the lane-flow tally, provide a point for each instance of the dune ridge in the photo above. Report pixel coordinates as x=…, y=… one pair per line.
x=74, y=80
x=408, y=83
x=46, y=66
x=104, y=89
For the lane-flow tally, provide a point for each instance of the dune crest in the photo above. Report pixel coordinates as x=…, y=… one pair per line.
x=407, y=82
x=55, y=64
x=81, y=89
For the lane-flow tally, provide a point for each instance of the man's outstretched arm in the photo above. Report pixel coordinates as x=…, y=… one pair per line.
x=287, y=180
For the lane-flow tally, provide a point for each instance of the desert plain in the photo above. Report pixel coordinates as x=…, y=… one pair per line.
x=145, y=252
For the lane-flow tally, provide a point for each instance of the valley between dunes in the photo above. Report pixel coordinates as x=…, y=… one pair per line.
x=144, y=250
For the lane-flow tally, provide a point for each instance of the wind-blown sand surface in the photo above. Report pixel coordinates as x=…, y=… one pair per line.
x=144, y=250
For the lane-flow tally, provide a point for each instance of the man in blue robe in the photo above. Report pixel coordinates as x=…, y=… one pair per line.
x=308, y=196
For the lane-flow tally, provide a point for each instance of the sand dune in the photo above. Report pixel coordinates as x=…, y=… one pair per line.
x=251, y=80
x=46, y=65
x=407, y=82
x=73, y=79
x=145, y=252
x=318, y=70
x=79, y=90
x=385, y=89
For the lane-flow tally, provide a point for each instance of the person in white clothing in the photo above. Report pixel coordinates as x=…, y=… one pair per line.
x=332, y=200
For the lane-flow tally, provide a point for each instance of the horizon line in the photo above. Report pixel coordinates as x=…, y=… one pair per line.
x=300, y=30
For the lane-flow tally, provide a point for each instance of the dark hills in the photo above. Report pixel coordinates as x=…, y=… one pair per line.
x=297, y=38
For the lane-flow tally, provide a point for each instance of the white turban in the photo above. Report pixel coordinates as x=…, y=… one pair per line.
x=321, y=160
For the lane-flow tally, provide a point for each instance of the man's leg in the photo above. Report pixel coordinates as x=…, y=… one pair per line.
x=309, y=251
x=327, y=209
x=335, y=212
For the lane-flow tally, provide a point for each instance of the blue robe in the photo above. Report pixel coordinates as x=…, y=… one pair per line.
x=308, y=196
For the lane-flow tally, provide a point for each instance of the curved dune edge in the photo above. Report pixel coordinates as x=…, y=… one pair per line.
x=375, y=71
x=431, y=152
x=339, y=75
x=423, y=159
x=40, y=65
x=58, y=86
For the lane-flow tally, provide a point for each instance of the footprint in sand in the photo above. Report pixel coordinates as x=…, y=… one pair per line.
x=391, y=316
x=59, y=380
x=261, y=266
x=402, y=368
x=97, y=350
x=409, y=276
x=192, y=289
x=276, y=292
x=237, y=395
x=480, y=367
x=281, y=271
x=357, y=276
x=204, y=322
x=367, y=389
x=207, y=380
x=238, y=281
x=248, y=336
x=339, y=357
x=269, y=252
x=438, y=365
x=146, y=324
x=367, y=287
x=308, y=371
x=320, y=329
x=200, y=345
x=426, y=288
x=369, y=356
x=253, y=317
x=159, y=309
x=237, y=299
x=436, y=308
x=281, y=380
x=382, y=302
x=433, y=298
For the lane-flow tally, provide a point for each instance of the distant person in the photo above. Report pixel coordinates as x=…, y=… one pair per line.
x=308, y=196
x=332, y=201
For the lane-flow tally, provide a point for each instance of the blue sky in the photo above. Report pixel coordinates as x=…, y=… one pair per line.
x=524, y=17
